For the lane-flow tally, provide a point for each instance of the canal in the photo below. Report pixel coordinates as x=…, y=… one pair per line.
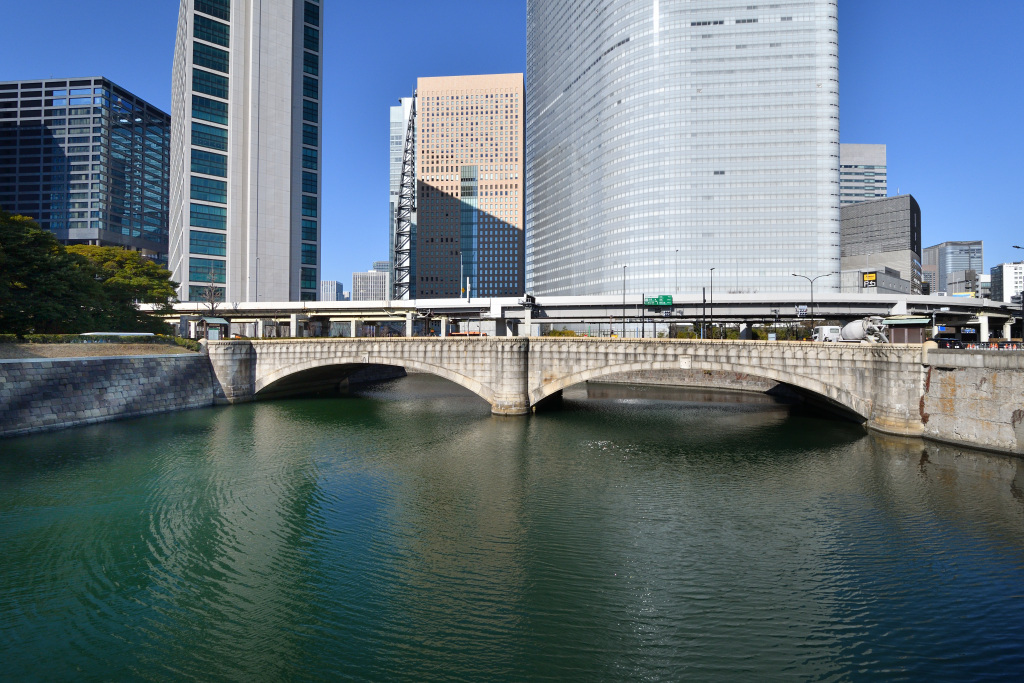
x=404, y=533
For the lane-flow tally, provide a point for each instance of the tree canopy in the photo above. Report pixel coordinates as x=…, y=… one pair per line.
x=46, y=288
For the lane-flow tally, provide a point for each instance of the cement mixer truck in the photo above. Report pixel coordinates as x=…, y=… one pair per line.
x=864, y=331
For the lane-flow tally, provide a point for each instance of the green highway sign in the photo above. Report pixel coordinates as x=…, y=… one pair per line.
x=663, y=300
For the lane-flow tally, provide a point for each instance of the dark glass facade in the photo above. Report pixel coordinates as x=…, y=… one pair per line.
x=88, y=160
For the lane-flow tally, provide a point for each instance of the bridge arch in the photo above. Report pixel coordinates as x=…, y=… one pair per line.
x=828, y=393
x=265, y=382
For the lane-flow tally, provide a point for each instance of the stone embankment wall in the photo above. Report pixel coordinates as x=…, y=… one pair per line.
x=975, y=399
x=43, y=394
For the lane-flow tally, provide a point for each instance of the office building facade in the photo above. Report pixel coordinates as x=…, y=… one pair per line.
x=666, y=138
x=948, y=257
x=332, y=290
x=470, y=217
x=862, y=173
x=1007, y=281
x=245, y=149
x=883, y=233
x=373, y=285
x=88, y=161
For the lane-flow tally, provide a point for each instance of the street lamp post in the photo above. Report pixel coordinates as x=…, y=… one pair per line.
x=811, y=280
x=1021, y=305
x=623, y=301
x=712, y=299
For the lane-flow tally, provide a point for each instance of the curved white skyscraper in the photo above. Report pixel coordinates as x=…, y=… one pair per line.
x=245, y=150
x=669, y=137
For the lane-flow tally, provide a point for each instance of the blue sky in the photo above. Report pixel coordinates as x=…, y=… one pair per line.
x=938, y=81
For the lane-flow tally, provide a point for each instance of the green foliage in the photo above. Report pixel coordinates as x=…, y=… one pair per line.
x=560, y=333
x=190, y=344
x=46, y=288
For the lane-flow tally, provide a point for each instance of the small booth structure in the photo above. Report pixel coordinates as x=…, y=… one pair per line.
x=213, y=329
x=908, y=329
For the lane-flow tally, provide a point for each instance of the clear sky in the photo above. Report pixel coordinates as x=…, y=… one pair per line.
x=938, y=81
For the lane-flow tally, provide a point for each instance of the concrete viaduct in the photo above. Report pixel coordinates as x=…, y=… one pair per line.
x=880, y=385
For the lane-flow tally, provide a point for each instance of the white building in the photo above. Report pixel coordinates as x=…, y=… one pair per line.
x=667, y=138
x=1007, y=280
x=245, y=149
x=373, y=285
x=332, y=290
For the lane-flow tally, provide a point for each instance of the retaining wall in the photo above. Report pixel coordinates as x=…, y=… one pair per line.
x=975, y=399
x=43, y=394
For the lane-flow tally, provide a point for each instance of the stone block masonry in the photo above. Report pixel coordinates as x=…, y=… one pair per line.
x=975, y=399
x=44, y=394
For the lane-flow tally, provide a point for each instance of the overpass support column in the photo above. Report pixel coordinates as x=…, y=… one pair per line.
x=444, y=326
x=529, y=322
x=354, y=330
x=1006, y=329
x=983, y=332
x=408, y=324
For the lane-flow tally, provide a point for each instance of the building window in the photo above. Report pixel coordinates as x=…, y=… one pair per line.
x=210, y=84
x=311, y=63
x=209, y=110
x=310, y=111
x=211, y=31
x=312, y=15
x=310, y=88
x=203, y=216
x=309, y=230
x=311, y=38
x=307, y=296
x=209, y=190
x=209, y=163
x=209, y=136
x=210, y=57
x=206, y=270
x=310, y=135
x=209, y=243
x=309, y=158
x=200, y=293
x=308, y=277
x=215, y=8
x=309, y=206
x=309, y=183
x=309, y=254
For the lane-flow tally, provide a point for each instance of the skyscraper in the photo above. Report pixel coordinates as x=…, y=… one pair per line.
x=87, y=160
x=862, y=173
x=245, y=149
x=948, y=257
x=470, y=186
x=669, y=137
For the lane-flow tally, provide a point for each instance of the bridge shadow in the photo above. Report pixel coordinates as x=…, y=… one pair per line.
x=329, y=380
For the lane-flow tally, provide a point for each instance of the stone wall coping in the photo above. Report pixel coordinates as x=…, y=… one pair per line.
x=976, y=358
x=563, y=340
x=13, y=361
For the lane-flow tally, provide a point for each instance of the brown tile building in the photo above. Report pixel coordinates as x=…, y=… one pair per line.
x=471, y=187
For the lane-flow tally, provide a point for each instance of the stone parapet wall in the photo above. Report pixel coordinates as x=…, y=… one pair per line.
x=44, y=394
x=975, y=398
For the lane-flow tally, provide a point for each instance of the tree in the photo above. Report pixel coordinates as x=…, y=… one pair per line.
x=47, y=288
x=128, y=279
x=43, y=289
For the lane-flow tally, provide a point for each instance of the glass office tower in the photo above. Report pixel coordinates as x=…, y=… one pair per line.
x=245, y=150
x=669, y=137
x=87, y=160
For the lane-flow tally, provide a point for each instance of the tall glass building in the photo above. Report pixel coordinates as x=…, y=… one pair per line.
x=245, y=150
x=666, y=138
x=87, y=160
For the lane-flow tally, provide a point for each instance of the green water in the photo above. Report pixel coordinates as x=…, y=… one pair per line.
x=407, y=534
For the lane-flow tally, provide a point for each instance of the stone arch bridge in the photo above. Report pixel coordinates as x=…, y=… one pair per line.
x=881, y=385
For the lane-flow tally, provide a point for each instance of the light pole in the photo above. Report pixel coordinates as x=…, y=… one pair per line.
x=1021, y=305
x=712, y=300
x=623, y=301
x=811, y=280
